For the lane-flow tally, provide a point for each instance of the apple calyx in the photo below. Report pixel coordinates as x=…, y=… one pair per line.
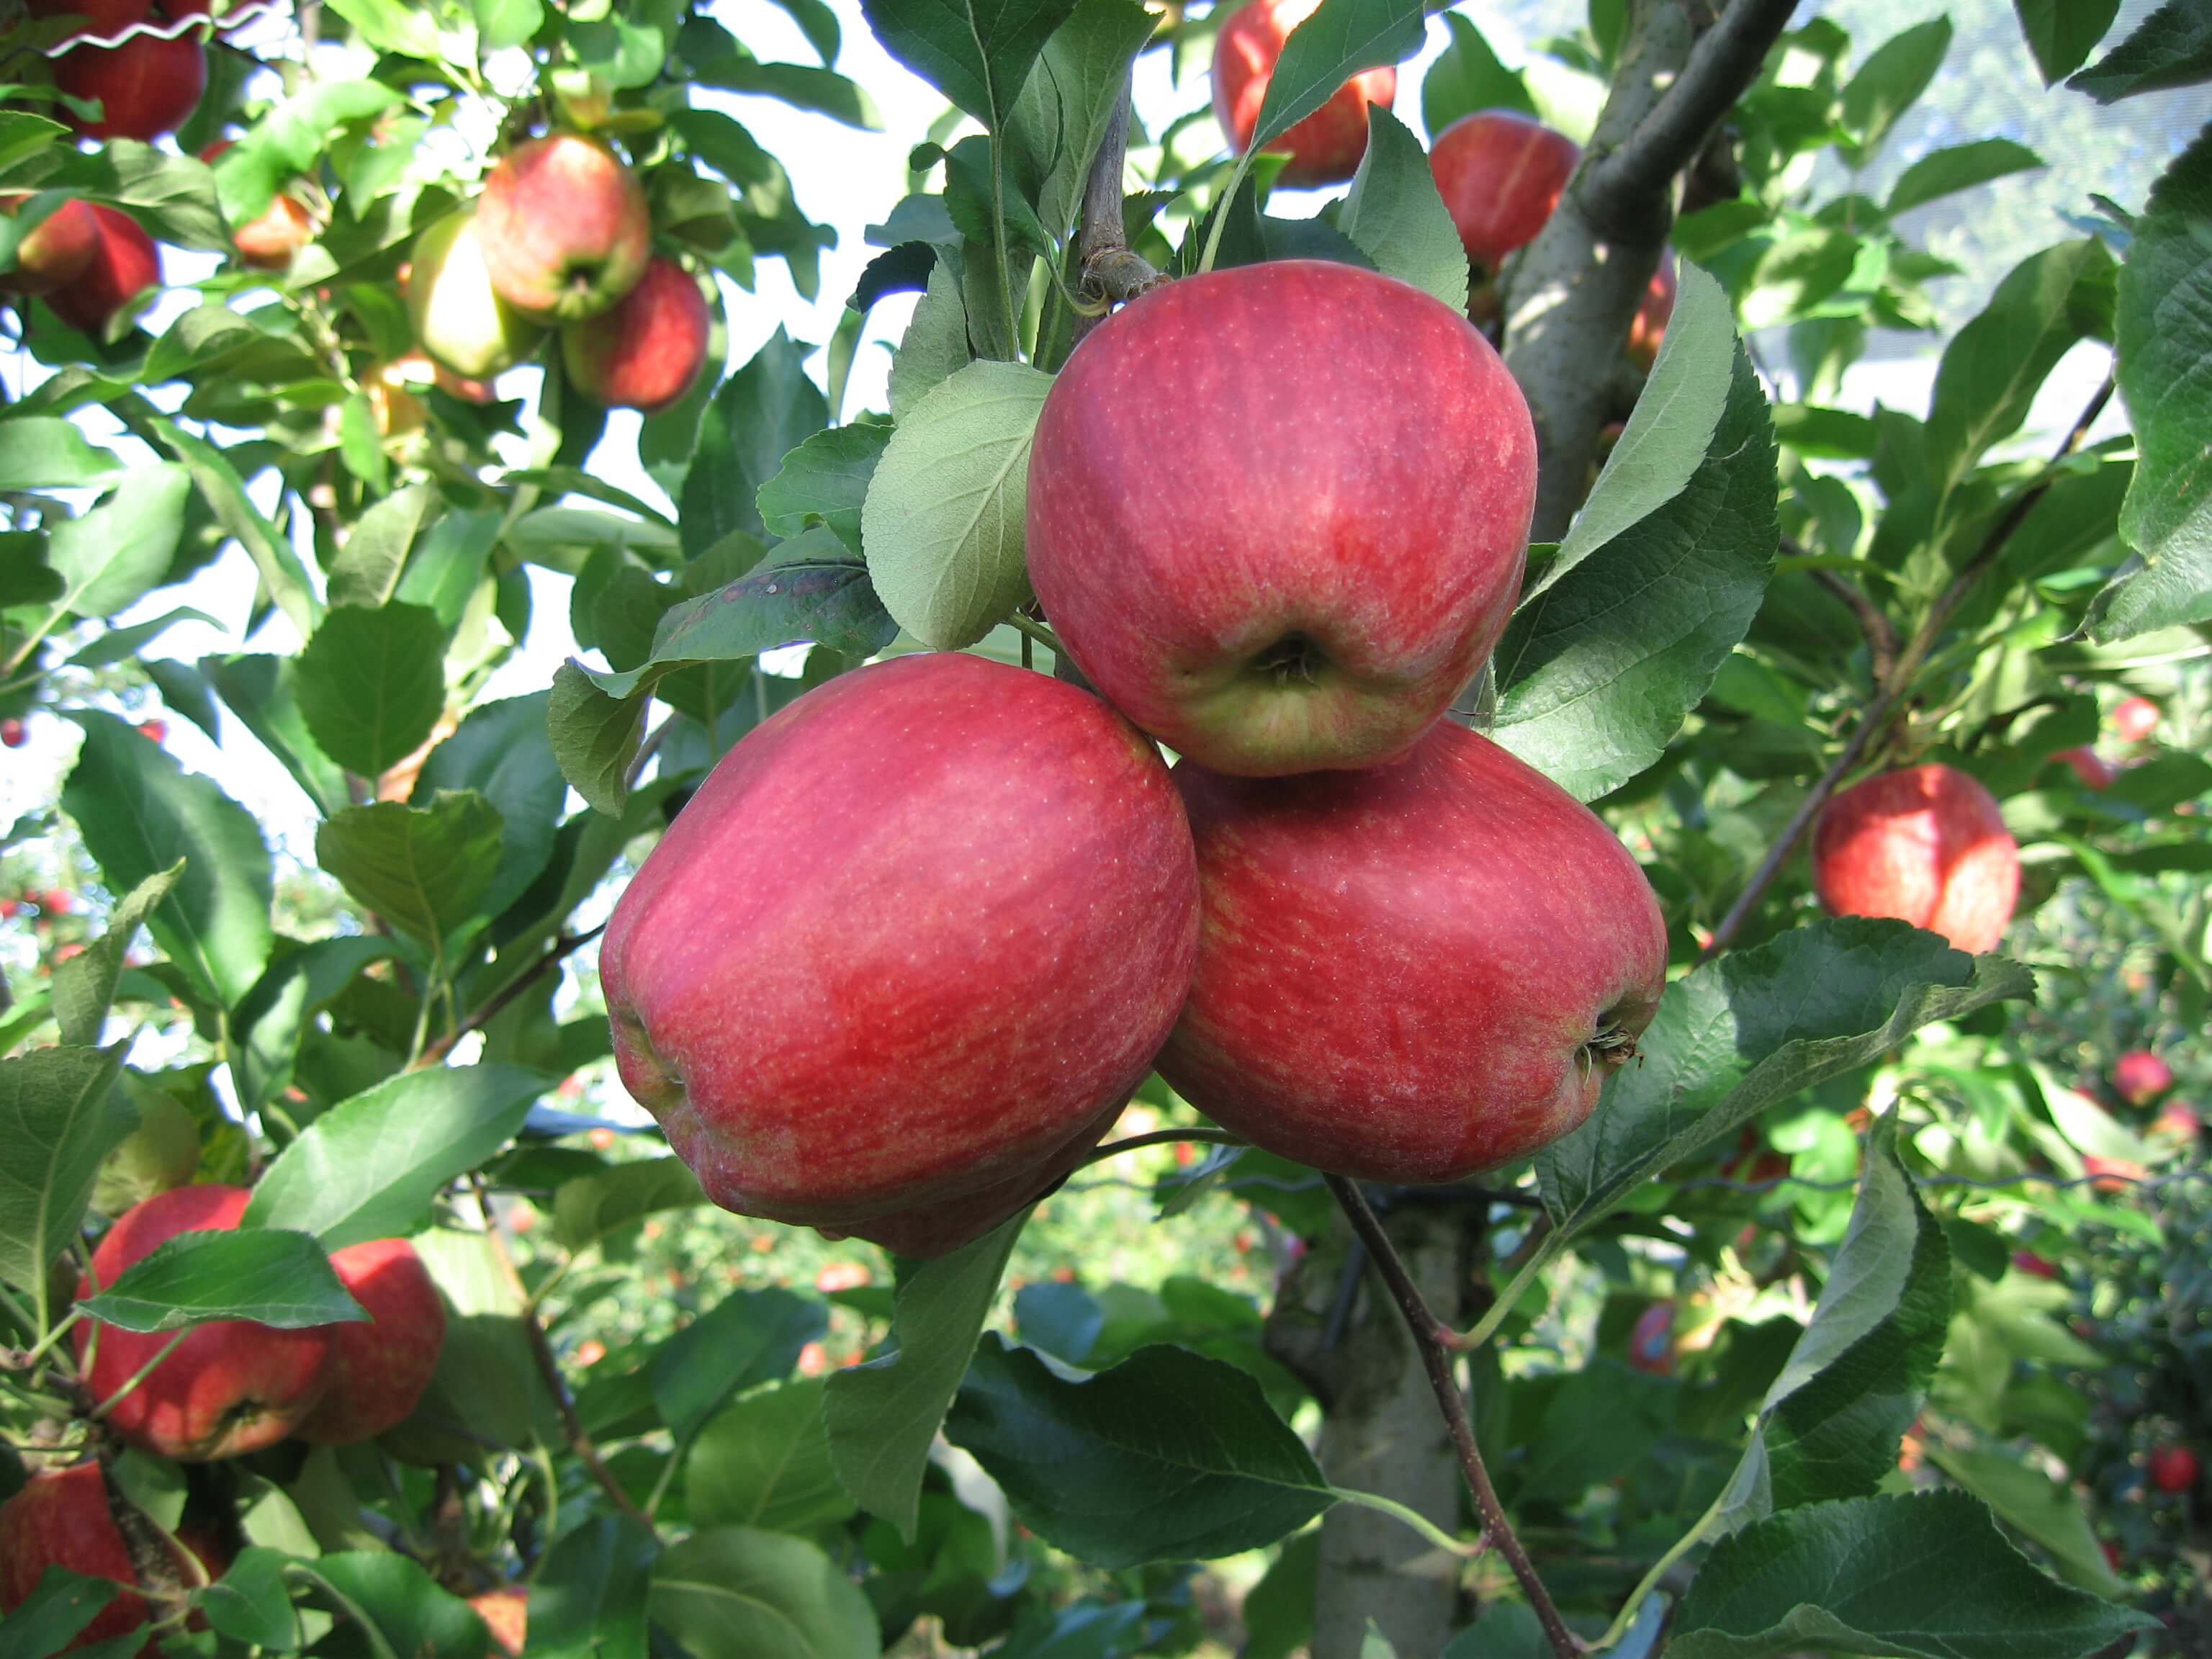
x=1296, y=656
x=1613, y=1048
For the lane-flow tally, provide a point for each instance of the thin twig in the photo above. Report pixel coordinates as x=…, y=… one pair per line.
x=1625, y=187
x=1874, y=622
x=1105, y=267
x=564, y=946
x=1900, y=681
x=1166, y=1138
x=1428, y=1336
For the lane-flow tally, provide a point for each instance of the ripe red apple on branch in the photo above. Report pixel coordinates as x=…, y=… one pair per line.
x=2092, y=768
x=147, y=86
x=461, y=321
x=1277, y=514
x=565, y=229
x=268, y=241
x=1325, y=148
x=647, y=352
x=2174, y=1468
x=57, y=249
x=2134, y=719
x=61, y=1519
x=1412, y=972
x=900, y=960
x=2140, y=1077
x=125, y=263
x=377, y=1371
x=1926, y=845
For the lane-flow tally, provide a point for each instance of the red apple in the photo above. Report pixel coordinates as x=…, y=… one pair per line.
x=60, y=1518
x=565, y=228
x=1652, y=1344
x=1277, y=513
x=2134, y=719
x=56, y=252
x=2114, y=1174
x=506, y=1611
x=12, y=735
x=377, y=1371
x=646, y=352
x=2093, y=770
x=154, y=731
x=461, y=321
x=2033, y=1265
x=907, y=951
x=2174, y=1468
x=1649, y=327
x=146, y=86
x=54, y=902
x=1926, y=845
x=1326, y=147
x=7, y=909
x=2141, y=1076
x=1500, y=174
x=103, y=19
x=1412, y=972
x=124, y=265
x=230, y=1387
x=282, y=228
x=2179, y=1120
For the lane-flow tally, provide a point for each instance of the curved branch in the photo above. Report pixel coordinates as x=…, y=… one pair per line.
x=1105, y=266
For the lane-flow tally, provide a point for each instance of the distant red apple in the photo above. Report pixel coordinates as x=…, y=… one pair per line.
x=229, y=1387
x=648, y=351
x=2114, y=1174
x=155, y=731
x=7, y=909
x=124, y=265
x=12, y=735
x=1500, y=174
x=564, y=227
x=2141, y=1076
x=1926, y=845
x=268, y=241
x=2174, y=1468
x=1652, y=1344
x=55, y=252
x=377, y=1371
x=2093, y=770
x=2179, y=1120
x=1325, y=148
x=506, y=1613
x=1649, y=327
x=1278, y=514
x=2033, y=1265
x=61, y=1519
x=2134, y=719
x=1412, y=972
x=997, y=909
x=54, y=902
x=146, y=86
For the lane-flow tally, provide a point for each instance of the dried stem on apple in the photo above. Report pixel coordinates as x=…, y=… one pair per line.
x=1875, y=719
x=1105, y=267
x=1434, y=1341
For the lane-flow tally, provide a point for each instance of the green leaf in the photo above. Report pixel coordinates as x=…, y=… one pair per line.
x=803, y=86
x=1941, y=173
x=290, y=140
x=1467, y=77
x=421, y=868
x=369, y=1167
x=1279, y=1610
x=84, y=986
x=824, y=481
x=273, y=1278
x=627, y=46
x=733, y=1593
x=935, y=347
x=589, y=1207
x=173, y=195
x=503, y=24
x=60, y=1606
x=1754, y=1028
x=260, y=691
x=761, y=413
x=944, y=517
x=587, y=1601
x=224, y=491
x=249, y=1603
x=1395, y=215
x=595, y=736
x=2024, y=1497
x=366, y=570
x=2161, y=339
x=398, y=1605
x=1891, y=81
x=112, y=555
x=882, y=1415
x=1598, y=670
x=501, y=753
x=266, y=1026
x=372, y=684
x=1058, y=123
x=48, y=452
x=1927, y=1575
x=2062, y=33
x=140, y=813
x=976, y=52
x=1340, y=39
x=765, y=1462
x=2172, y=48
x=1085, y=1463
x=61, y=1114
x=748, y=1337
x=817, y=23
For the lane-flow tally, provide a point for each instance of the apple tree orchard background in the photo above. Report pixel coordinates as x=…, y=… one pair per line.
x=1868, y=1316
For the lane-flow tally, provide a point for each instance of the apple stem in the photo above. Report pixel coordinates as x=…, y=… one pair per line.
x=1431, y=1338
x=1104, y=265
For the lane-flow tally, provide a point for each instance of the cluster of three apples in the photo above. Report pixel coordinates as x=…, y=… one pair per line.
x=898, y=964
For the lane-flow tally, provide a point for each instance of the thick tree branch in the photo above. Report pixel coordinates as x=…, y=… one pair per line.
x=1621, y=189
x=1431, y=1338
x=1899, y=680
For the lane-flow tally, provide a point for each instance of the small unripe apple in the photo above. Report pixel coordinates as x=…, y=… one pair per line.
x=2092, y=768
x=125, y=263
x=146, y=86
x=1926, y=845
x=565, y=228
x=1500, y=174
x=1278, y=514
x=2134, y=719
x=2174, y=1468
x=378, y=1370
x=646, y=352
x=1412, y=972
x=1325, y=148
x=903, y=956
x=56, y=252
x=460, y=320
x=61, y=1519
x=229, y=1387
x=2140, y=1077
